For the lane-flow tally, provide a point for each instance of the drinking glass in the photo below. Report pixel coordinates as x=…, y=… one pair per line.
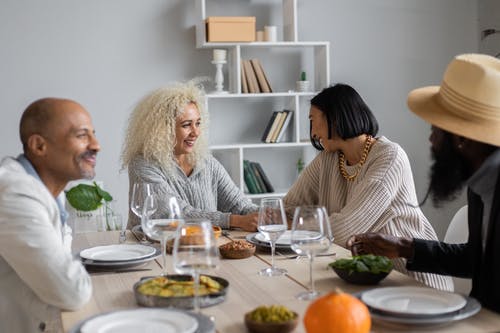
x=327, y=223
x=195, y=251
x=162, y=227
x=140, y=191
x=272, y=224
x=116, y=222
x=310, y=235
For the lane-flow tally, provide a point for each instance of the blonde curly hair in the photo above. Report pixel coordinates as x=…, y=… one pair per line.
x=151, y=128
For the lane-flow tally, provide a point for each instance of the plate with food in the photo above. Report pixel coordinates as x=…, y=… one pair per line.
x=137, y=231
x=178, y=291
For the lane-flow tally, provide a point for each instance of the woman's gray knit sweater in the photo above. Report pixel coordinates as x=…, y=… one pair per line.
x=208, y=192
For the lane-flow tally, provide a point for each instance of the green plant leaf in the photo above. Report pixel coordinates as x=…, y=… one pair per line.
x=84, y=197
x=105, y=195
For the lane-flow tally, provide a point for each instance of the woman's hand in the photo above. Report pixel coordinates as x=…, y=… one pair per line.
x=381, y=244
x=245, y=222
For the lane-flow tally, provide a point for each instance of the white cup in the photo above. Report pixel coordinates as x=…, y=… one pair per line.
x=270, y=33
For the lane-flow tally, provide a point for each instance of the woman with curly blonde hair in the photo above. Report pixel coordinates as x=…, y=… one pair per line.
x=166, y=145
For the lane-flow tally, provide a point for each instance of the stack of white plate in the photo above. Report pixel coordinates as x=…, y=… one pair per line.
x=119, y=255
x=418, y=306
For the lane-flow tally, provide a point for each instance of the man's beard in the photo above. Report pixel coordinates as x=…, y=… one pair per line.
x=448, y=172
x=86, y=174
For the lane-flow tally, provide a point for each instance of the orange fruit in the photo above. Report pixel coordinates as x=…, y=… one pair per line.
x=337, y=312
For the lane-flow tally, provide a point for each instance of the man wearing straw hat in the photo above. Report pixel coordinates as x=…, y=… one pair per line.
x=465, y=116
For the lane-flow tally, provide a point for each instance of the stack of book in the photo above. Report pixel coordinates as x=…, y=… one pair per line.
x=253, y=78
x=255, y=178
x=276, y=126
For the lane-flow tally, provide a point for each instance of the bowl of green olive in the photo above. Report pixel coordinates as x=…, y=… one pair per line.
x=271, y=319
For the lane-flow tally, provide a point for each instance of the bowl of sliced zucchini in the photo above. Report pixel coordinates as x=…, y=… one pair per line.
x=178, y=291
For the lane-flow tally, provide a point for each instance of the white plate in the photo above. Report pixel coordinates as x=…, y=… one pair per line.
x=251, y=238
x=413, y=300
x=121, y=264
x=285, y=238
x=471, y=308
x=141, y=320
x=118, y=252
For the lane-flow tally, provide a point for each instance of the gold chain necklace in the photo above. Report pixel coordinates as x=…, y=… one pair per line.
x=362, y=161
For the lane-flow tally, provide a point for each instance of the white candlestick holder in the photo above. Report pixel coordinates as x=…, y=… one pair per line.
x=219, y=77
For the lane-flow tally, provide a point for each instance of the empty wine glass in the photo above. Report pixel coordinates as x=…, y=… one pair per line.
x=310, y=235
x=195, y=251
x=272, y=224
x=327, y=223
x=140, y=192
x=161, y=227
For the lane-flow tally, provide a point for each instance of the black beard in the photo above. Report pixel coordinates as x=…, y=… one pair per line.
x=448, y=172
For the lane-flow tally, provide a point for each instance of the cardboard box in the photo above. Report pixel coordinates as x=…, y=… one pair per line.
x=230, y=28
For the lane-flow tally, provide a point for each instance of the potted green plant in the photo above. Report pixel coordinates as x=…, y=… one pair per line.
x=86, y=198
x=302, y=85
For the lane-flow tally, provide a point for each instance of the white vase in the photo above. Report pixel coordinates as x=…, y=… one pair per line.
x=302, y=86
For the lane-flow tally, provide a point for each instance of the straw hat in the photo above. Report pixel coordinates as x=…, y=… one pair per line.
x=468, y=101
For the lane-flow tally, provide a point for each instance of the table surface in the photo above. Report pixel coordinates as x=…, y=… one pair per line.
x=247, y=289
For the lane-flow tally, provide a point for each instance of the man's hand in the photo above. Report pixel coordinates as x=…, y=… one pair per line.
x=381, y=244
x=245, y=222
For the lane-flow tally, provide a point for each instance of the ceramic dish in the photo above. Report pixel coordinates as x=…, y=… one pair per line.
x=238, y=249
x=137, y=231
x=121, y=264
x=413, y=301
x=182, y=302
x=471, y=307
x=146, y=320
x=205, y=325
x=258, y=327
x=117, y=252
x=252, y=238
x=360, y=278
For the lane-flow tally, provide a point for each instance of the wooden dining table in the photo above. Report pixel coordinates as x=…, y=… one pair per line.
x=247, y=289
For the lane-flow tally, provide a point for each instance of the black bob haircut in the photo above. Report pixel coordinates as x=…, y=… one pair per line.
x=345, y=112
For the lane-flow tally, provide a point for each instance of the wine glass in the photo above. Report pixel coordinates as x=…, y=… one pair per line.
x=310, y=235
x=140, y=191
x=272, y=224
x=327, y=223
x=195, y=251
x=162, y=226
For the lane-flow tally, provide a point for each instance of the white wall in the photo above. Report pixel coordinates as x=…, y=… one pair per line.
x=107, y=54
x=489, y=18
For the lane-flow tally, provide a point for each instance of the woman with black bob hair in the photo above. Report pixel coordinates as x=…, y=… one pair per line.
x=364, y=181
x=346, y=113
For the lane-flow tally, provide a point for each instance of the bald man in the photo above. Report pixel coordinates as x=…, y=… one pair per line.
x=38, y=274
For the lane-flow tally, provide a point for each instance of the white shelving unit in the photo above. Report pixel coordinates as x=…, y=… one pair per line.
x=278, y=159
